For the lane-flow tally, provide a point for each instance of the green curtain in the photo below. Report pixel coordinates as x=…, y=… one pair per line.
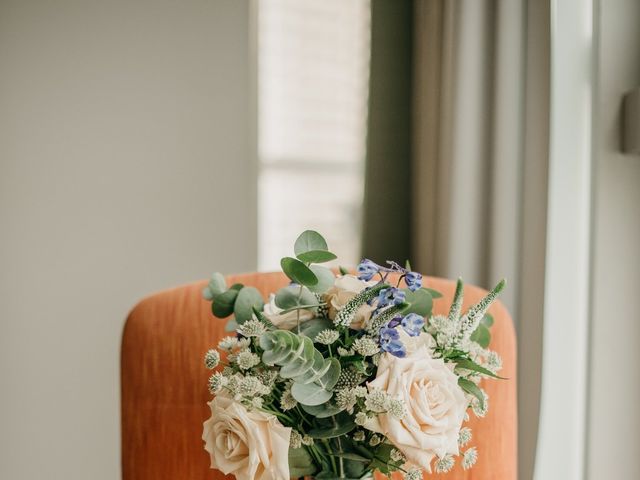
x=387, y=201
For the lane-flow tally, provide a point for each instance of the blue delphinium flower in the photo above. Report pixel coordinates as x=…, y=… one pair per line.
x=390, y=342
x=413, y=280
x=390, y=296
x=367, y=269
x=412, y=324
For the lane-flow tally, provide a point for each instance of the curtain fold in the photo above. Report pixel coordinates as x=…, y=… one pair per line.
x=477, y=173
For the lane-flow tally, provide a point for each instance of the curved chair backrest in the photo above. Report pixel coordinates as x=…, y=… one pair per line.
x=164, y=393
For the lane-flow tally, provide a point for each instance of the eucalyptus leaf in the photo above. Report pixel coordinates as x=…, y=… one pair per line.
x=316, y=256
x=339, y=428
x=248, y=299
x=291, y=298
x=298, y=272
x=300, y=463
x=420, y=302
x=217, y=284
x=482, y=336
x=322, y=411
x=231, y=325
x=326, y=278
x=487, y=320
x=352, y=456
x=312, y=327
x=223, y=305
x=310, y=394
x=309, y=240
x=434, y=293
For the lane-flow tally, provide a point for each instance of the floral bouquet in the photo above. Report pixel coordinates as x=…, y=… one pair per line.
x=339, y=376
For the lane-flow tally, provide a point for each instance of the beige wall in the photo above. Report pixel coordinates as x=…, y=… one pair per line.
x=126, y=166
x=614, y=416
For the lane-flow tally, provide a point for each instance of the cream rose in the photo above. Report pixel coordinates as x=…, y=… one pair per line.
x=434, y=402
x=247, y=444
x=284, y=321
x=344, y=289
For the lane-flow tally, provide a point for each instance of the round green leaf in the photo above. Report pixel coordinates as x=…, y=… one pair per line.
x=487, y=320
x=482, y=336
x=309, y=240
x=420, y=302
x=326, y=279
x=217, y=284
x=312, y=327
x=287, y=298
x=248, y=298
x=325, y=410
x=222, y=306
x=344, y=426
x=298, y=272
x=300, y=463
x=316, y=256
x=310, y=394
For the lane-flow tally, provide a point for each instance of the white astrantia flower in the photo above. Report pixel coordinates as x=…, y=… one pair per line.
x=346, y=399
x=360, y=392
x=377, y=401
x=243, y=343
x=252, y=328
x=480, y=409
x=413, y=474
x=366, y=346
x=247, y=360
x=287, y=402
x=464, y=436
x=295, y=440
x=212, y=359
x=217, y=382
x=397, y=408
x=227, y=344
x=327, y=336
x=250, y=386
x=396, y=455
x=469, y=458
x=445, y=464
x=343, y=352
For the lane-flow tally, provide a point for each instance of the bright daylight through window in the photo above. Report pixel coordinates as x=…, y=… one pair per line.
x=313, y=74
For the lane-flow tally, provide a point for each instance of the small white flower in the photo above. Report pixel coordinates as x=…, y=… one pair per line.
x=257, y=402
x=494, y=361
x=360, y=392
x=327, y=336
x=250, y=386
x=358, y=436
x=295, y=441
x=375, y=440
x=227, y=344
x=377, y=401
x=212, y=359
x=397, y=456
x=445, y=464
x=287, y=402
x=469, y=458
x=366, y=346
x=464, y=436
x=247, y=360
x=307, y=440
x=361, y=418
x=376, y=359
x=413, y=474
x=346, y=399
x=480, y=410
x=252, y=328
x=343, y=352
x=243, y=343
x=397, y=408
x=217, y=382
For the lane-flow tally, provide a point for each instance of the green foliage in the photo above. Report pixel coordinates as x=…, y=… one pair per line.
x=316, y=256
x=262, y=318
x=325, y=277
x=308, y=241
x=343, y=270
x=472, y=389
x=312, y=327
x=300, y=463
x=313, y=376
x=482, y=336
x=434, y=293
x=298, y=272
x=468, y=364
x=223, y=304
x=325, y=410
x=248, y=299
x=420, y=302
x=291, y=298
x=216, y=286
x=456, y=305
x=480, y=308
x=334, y=427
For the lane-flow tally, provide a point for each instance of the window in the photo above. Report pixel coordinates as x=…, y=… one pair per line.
x=313, y=74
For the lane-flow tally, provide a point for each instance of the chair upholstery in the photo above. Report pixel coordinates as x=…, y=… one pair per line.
x=164, y=393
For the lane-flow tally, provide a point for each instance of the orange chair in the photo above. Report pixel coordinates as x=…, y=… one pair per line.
x=164, y=380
